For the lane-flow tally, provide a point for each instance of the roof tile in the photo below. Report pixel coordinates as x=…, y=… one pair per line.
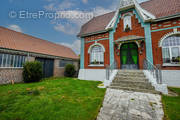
x=15, y=40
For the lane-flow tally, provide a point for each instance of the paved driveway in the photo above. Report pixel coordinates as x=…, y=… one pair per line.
x=127, y=105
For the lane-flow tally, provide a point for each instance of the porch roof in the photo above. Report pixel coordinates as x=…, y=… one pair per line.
x=129, y=38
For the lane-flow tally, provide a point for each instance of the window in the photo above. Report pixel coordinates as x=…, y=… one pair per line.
x=171, y=49
x=127, y=23
x=63, y=63
x=97, y=55
x=11, y=61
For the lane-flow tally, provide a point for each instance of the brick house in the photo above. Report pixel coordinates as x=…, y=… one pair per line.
x=131, y=34
x=16, y=48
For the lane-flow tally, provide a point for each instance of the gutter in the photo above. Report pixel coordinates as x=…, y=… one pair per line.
x=33, y=54
x=93, y=33
x=166, y=17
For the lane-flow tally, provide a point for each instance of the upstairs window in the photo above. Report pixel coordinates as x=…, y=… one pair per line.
x=127, y=23
x=97, y=55
x=171, y=49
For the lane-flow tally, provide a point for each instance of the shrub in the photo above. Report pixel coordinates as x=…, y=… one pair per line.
x=69, y=70
x=32, y=72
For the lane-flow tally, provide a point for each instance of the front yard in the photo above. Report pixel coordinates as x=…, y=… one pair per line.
x=172, y=105
x=51, y=99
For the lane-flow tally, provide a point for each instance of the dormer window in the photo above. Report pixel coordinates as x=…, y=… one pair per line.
x=127, y=23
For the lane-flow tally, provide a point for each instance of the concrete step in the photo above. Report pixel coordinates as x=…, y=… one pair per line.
x=132, y=75
x=131, y=83
x=130, y=78
x=130, y=71
x=134, y=89
x=145, y=86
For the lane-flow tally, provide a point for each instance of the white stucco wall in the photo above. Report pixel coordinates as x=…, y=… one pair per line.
x=92, y=74
x=171, y=77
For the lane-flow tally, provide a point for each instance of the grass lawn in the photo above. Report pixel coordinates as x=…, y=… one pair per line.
x=172, y=105
x=51, y=99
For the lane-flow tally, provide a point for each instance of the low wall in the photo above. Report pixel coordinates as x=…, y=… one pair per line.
x=9, y=74
x=171, y=77
x=92, y=74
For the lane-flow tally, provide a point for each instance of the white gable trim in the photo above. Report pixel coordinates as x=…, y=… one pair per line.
x=145, y=15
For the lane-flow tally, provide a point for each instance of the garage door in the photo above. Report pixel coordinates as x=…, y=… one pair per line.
x=48, y=66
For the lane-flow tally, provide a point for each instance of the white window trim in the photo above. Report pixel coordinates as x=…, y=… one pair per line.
x=94, y=65
x=89, y=52
x=169, y=47
x=170, y=55
x=130, y=26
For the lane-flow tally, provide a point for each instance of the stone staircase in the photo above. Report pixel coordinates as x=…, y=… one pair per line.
x=132, y=80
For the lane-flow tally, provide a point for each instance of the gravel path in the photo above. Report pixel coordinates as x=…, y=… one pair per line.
x=127, y=105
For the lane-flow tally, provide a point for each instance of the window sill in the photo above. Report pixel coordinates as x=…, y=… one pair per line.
x=96, y=65
x=171, y=65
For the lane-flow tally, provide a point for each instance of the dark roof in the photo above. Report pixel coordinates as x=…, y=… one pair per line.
x=162, y=8
x=159, y=8
x=97, y=24
x=10, y=39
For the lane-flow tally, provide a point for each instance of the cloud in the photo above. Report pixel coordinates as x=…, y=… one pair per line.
x=72, y=25
x=85, y=1
x=55, y=6
x=75, y=46
x=101, y=10
x=66, y=28
x=49, y=7
x=65, y=4
x=15, y=28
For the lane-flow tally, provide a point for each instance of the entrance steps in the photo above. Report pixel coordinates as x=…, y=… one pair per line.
x=132, y=80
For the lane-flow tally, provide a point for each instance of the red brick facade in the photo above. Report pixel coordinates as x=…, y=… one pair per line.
x=137, y=30
x=156, y=37
x=90, y=41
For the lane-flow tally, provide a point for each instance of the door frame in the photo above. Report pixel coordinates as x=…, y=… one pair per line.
x=128, y=48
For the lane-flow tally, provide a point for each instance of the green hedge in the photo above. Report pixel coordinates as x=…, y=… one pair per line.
x=69, y=70
x=32, y=72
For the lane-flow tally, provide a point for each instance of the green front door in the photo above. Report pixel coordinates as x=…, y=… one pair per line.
x=129, y=56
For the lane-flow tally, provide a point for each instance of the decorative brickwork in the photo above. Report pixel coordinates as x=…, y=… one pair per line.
x=165, y=24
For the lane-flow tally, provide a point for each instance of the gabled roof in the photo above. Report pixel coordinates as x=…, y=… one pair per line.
x=96, y=24
x=162, y=8
x=10, y=39
x=156, y=8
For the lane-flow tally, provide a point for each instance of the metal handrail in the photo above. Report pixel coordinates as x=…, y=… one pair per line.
x=154, y=70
